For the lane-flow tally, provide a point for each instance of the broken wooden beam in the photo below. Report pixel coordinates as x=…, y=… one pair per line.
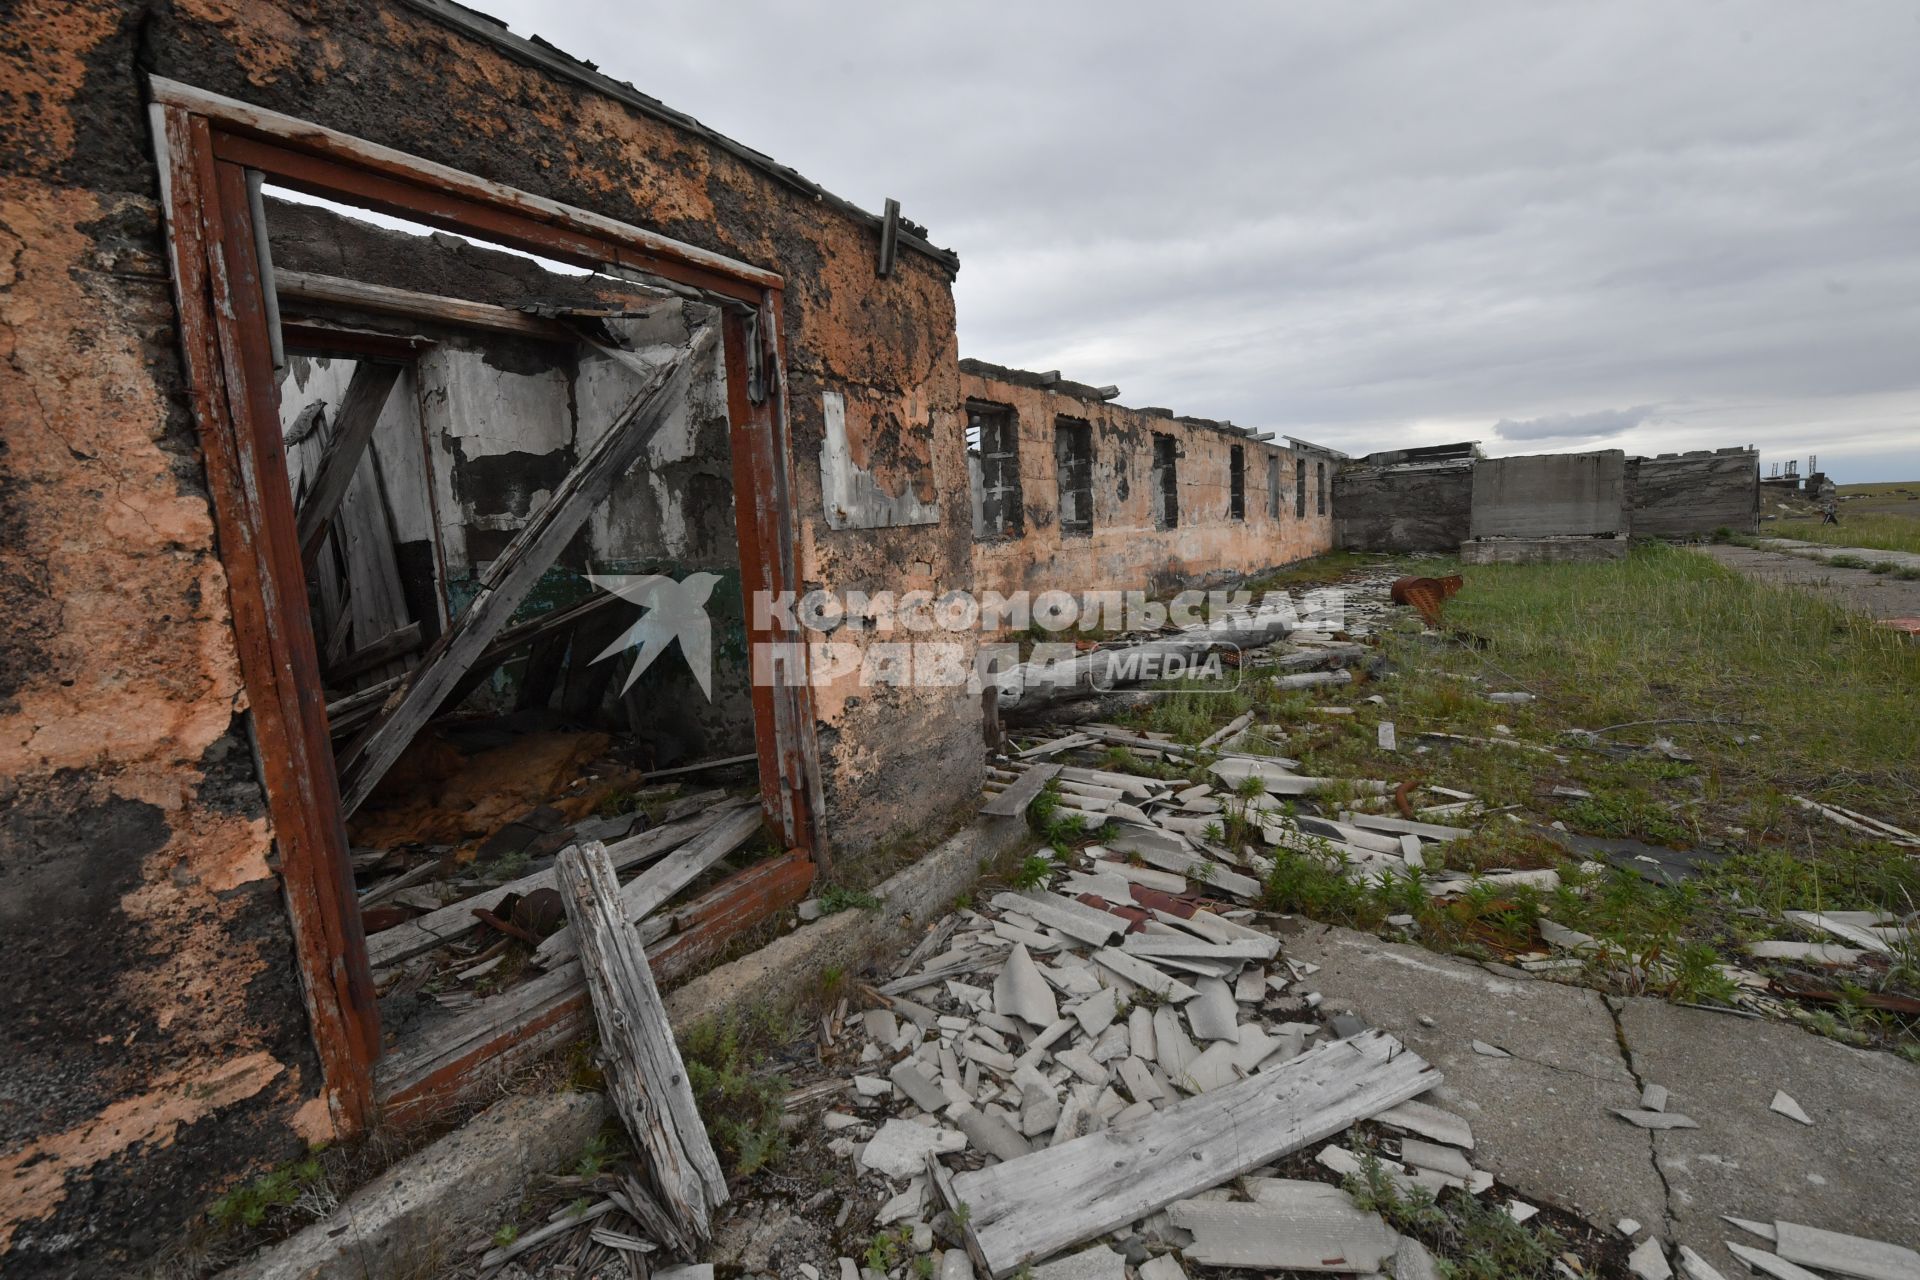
x=644, y=894
x=402, y=941
x=645, y=1075
x=353, y=425
x=1024, y=1210
x=381, y=299
x=395, y=644
x=516, y=571
x=1013, y=802
x=527, y=1021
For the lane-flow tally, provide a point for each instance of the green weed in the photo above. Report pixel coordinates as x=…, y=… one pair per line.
x=740, y=1102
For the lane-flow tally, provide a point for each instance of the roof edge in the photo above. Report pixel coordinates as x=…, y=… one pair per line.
x=1089, y=394
x=545, y=56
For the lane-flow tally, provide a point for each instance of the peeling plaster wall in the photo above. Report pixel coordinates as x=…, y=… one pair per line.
x=1125, y=551
x=159, y=1050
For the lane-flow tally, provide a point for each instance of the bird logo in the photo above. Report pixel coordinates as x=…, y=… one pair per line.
x=674, y=611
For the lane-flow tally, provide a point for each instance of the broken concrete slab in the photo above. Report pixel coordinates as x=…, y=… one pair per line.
x=1429, y=1122
x=1655, y=1119
x=1844, y=1254
x=425, y=1200
x=1097, y=1263
x=1784, y=1104
x=901, y=1147
x=1309, y=1234
x=1744, y=1160
x=1539, y=1118
x=1020, y=992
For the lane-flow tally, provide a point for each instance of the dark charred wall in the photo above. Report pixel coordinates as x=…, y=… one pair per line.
x=1402, y=509
x=1689, y=495
x=1130, y=547
x=158, y=1049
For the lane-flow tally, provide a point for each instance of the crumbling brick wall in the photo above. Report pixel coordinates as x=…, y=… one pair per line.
x=1127, y=550
x=159, y=1051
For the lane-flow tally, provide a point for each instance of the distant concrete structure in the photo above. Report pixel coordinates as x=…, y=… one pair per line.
x=1681, y=495
x=1540, y=506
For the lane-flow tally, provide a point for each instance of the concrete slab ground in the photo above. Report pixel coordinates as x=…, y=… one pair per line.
x=1822, y=551
x=1852, y=1171
x=1543, y=1118
x=1878, y=595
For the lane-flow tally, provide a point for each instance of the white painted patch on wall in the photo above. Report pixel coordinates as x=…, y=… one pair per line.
x=491, y=411
x=854, y=498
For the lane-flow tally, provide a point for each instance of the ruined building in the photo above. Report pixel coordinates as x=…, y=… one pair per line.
x=368, y=367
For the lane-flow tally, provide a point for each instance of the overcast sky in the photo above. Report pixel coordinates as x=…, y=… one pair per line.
x=1540, y=226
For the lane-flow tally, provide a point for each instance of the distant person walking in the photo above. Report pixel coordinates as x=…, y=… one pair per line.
x=1830, y=514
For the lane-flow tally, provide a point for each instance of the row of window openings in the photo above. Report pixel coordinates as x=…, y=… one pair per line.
x=994, y=455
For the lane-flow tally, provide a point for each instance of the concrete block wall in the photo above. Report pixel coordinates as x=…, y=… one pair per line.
x=1403, y=509
x=1683, y=495
x=1550, y=495
x=1597, y=494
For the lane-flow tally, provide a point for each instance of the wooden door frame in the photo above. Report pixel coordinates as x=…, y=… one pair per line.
x=204, y=145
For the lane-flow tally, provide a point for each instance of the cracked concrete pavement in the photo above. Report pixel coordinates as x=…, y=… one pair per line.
x=1876, y=594
x=1543, y=1118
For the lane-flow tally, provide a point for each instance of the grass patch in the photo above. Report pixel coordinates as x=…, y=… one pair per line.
x=250, y=1204
x=1667, y=633
x=1771, y=691
x=1470, y=1240
x=1878, y=532
x=740, y=1101
x=1322, y=570
x=837, y=897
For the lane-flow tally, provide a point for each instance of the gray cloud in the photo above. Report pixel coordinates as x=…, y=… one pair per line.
x=1599, y=424
x=1377, y=224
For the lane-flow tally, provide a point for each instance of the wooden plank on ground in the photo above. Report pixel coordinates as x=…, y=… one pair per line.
x=516, y=571
x=1025, y=1210
x=403, y=941
x=1013, y=802
x=428, y=1070
x=643, y=894
x=645, y=1075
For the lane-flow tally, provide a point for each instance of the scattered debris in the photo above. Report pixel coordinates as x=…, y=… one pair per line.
x=1786, y=1106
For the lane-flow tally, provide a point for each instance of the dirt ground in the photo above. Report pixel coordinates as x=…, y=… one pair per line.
x=1875, y=594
